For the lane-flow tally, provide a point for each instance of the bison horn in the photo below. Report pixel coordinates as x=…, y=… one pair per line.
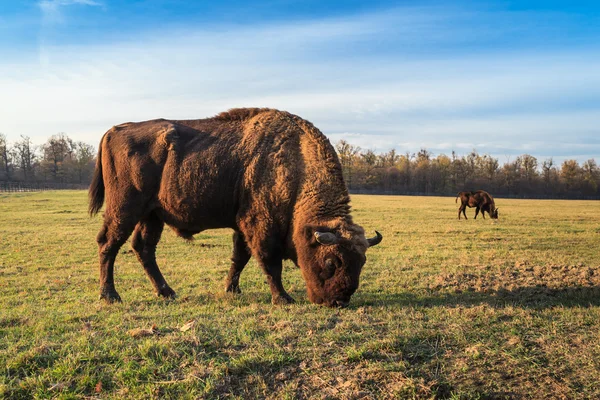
x=375, y=240
x=326, y=238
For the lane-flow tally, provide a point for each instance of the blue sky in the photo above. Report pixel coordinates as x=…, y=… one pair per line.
x=503, y=77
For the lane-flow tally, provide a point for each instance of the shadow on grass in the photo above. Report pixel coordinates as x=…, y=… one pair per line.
x=533, y=297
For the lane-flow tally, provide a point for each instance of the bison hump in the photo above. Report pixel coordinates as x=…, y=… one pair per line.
x=169, y=137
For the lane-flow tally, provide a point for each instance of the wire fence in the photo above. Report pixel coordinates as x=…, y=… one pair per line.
x=19, y=187
x=566, y=196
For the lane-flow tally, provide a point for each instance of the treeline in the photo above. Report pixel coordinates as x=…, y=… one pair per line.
x=424, y=173
x=59, y=160
x=62, y=160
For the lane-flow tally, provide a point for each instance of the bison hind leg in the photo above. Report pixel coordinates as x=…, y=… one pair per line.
x=113, y=234
x=145, y=239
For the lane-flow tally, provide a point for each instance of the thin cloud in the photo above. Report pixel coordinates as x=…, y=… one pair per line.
x=51, y=9
x=50, y=4
x=52, y=16
x=499, y=100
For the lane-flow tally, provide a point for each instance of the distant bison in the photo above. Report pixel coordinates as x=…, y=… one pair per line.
x=481, y=200
x=269, y=175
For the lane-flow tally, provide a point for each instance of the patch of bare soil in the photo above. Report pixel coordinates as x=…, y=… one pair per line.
x=315, y=380
x=534, y=280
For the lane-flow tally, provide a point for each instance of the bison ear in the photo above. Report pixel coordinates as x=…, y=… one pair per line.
x=309, y=232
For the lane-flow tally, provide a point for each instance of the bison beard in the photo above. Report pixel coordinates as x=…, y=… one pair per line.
x=269, y=175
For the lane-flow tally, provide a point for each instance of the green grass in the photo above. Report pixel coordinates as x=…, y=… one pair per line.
x=446, y=309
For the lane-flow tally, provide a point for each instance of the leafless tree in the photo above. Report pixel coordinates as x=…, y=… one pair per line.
x=6, y=156
x=25, y=153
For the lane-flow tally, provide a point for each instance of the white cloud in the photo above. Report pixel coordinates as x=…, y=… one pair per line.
x=51, y=9
x=52, y=16
x=499, y=102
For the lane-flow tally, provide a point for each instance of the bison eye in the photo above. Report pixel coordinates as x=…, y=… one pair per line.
x=328, y=269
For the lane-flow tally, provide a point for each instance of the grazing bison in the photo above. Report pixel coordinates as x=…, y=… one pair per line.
x=269, y=175
x=481, y=200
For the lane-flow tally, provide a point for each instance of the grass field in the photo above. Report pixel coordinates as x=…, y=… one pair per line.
x=446, y=309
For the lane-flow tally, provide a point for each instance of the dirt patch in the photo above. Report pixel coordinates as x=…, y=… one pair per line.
x=535, y=279
x=7, y=322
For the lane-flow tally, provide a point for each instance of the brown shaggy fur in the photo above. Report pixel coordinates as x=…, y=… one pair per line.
x=481, y=200
x=269, y=175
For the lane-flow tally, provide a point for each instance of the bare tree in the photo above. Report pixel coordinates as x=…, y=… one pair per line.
x=490, y=167
x=570, y=172
x=550, y=176
x=460, y=172
x=347, y=153
x=369, y=159
x=510, y=174
x=391, y=157
x=471, y=162
x=421, y=171
x=591, y=174
x=6, y=156
x=25, y=154
x=528, y=167
x=83, y=159
x=58, y=150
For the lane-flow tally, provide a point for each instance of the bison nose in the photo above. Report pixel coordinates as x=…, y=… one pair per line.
x=340, y=303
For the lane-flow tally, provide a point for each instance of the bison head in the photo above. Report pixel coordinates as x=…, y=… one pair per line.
x=494, y=214
x=332, y=260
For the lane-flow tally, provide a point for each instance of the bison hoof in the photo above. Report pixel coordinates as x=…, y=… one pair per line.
x=110, y=296
x=231, y=288
x=166, y=292
x=283, y=299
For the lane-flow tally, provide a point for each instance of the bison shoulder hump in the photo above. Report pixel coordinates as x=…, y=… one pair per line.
x=242, y=114
x=168, y=137
x=112, y=131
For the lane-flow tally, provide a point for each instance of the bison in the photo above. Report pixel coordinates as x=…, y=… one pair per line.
x=481, y=200
x=269, y=175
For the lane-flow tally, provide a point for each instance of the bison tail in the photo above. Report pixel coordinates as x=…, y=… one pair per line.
x=96, y=191
x=457, y=196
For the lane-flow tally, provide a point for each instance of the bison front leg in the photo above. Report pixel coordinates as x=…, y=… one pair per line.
x=477, y=212
x=145, y=238
x=272, y=268
x=239, y=259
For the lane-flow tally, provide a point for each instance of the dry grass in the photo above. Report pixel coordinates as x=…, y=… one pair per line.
x=446, y=309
